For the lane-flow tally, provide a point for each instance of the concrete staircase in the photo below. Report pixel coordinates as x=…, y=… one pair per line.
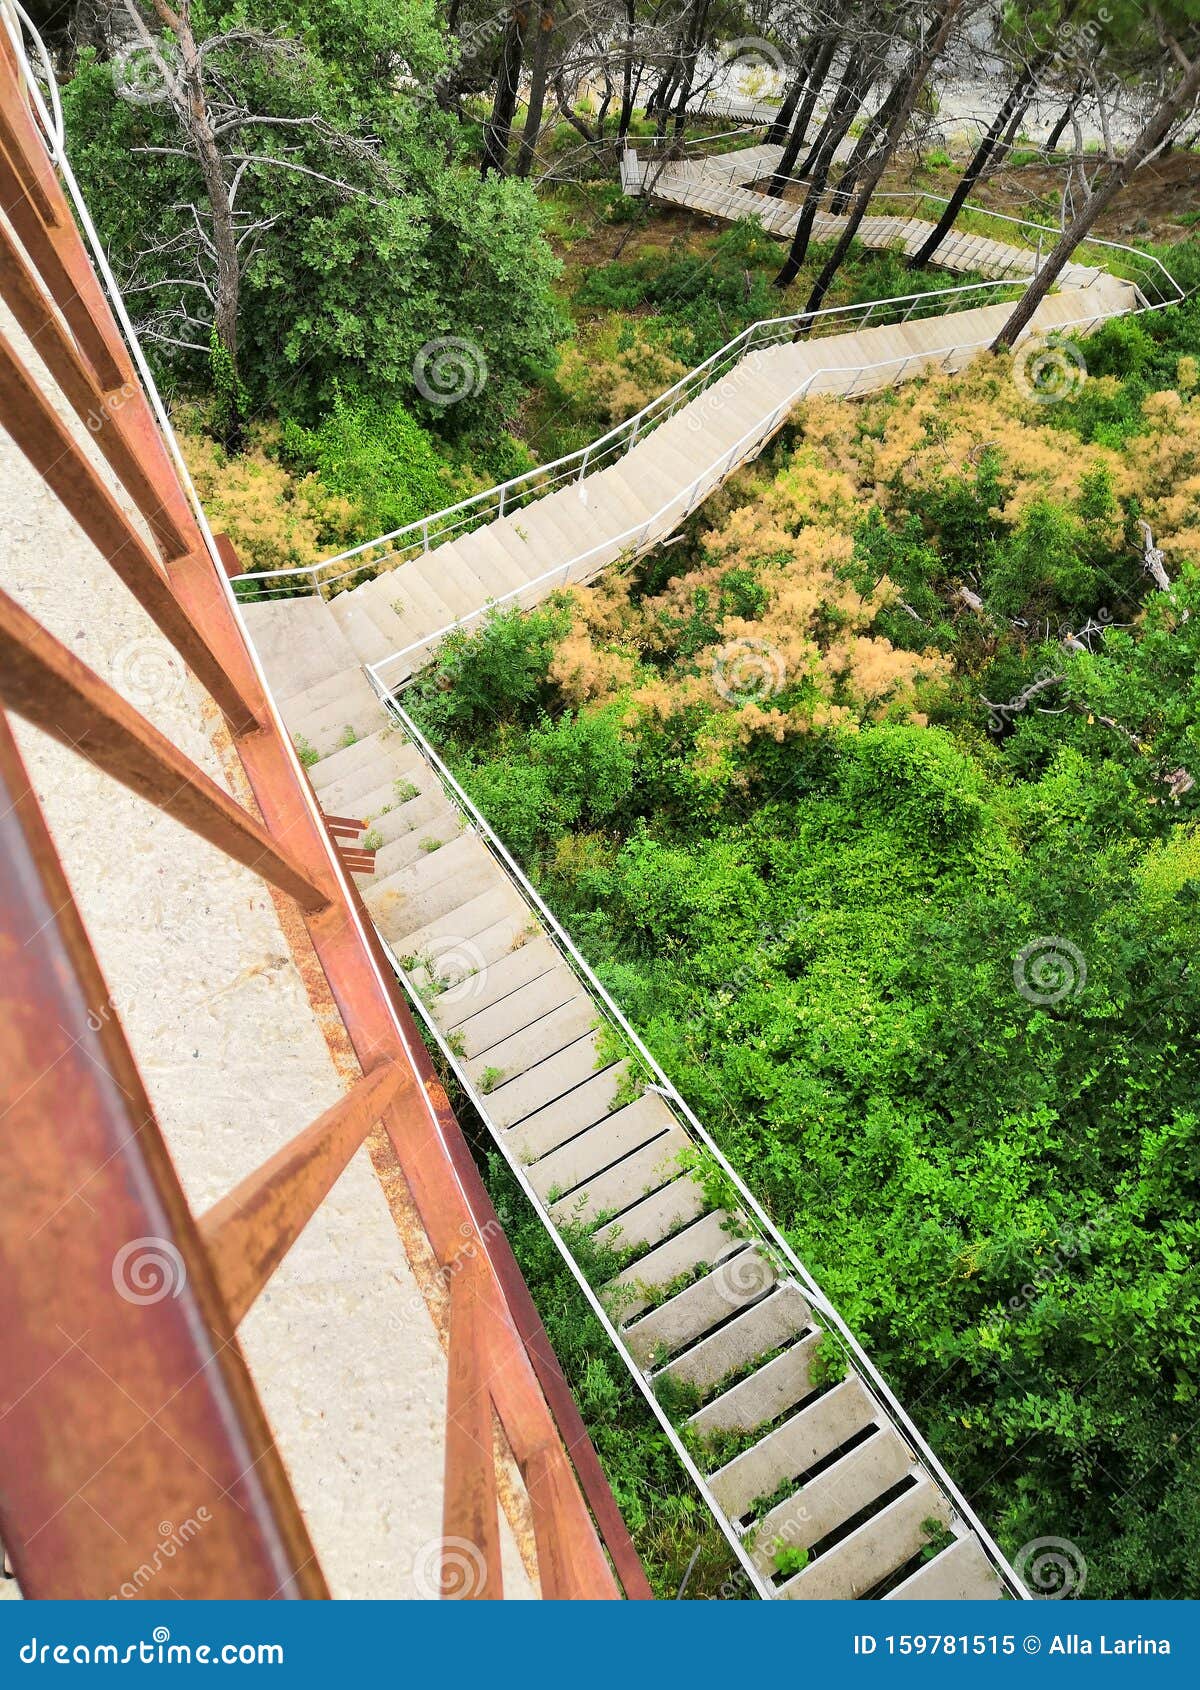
x=395, y=621
x=795, y=1453
x=720, y=187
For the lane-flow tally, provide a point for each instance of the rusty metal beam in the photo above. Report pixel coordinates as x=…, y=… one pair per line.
x=48, y=685
x=100, y=413
x=124, y=1400
x=44, y=245
x=470, y=1517
x=45, y=440
x=249, y=1232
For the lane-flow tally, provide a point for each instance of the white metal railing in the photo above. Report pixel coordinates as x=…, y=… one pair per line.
x=762, y=1227
x=633, y=541
x=422, y=535
x=1158, y=288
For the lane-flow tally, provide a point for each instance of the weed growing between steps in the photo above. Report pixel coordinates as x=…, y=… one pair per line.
x=779, y=783
x=679, y=1546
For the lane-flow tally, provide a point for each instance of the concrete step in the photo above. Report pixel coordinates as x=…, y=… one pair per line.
x=636, y=1287
x=852, y=1568
x=343, y=779
x=621, y=1187
x=478, y=932
x=767, y=1394
x=355, y=716
x=788, y=1452
x=407, y=902
x=394, y=798
x=655, y=1218
x=535, y=1044
x=834, y=1496
x=783, y=1315
x=549, y=1081
x=426, y=834
x=601, y=1147
x=409, y=588
x=498, y=981
x=568, y=1115
x=961, y=1573
x=741, y=1279
x=500, y=1022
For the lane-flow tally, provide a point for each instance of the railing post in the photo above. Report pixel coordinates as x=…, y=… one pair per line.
x=503, y=490
x=425, y=534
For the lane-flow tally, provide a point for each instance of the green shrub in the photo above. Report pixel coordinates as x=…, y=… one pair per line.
x=379, y=458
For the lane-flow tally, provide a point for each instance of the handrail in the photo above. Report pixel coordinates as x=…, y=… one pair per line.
x=755, y=434
x=769, y=330
x=769, y=1233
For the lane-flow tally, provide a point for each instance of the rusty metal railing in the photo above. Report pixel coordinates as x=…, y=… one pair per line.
x=116, y=1414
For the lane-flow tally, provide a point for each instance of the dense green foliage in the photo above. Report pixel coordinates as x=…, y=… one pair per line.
x=929, y=981
x=343, y=287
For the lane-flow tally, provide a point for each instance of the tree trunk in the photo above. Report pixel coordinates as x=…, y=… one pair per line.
x=508, y=77
x=975, y=169
x=924, y=59
x=185, y=90
x=778, y=131
x=854, y=86
x=818, y=76
x=1056, y=134
x=627, y=73
x=699, y=16
x=1010, y=134
x=845, y=105
x=537, y=87
x=872, y=134
x=1156, y=128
